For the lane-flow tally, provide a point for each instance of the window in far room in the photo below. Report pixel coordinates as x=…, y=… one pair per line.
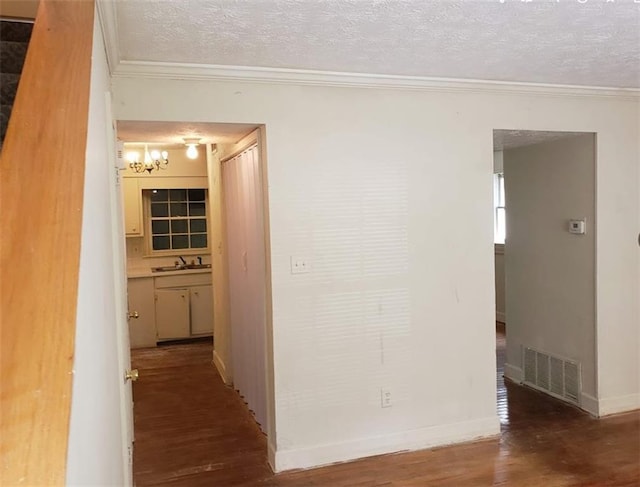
x=499, y=217
x=177, y=220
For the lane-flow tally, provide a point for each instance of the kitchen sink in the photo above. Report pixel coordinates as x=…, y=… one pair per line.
x=181, y=267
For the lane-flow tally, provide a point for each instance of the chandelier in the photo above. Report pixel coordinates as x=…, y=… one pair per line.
x=154, y=160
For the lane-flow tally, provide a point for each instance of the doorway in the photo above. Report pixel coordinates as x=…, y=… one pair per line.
x=544, y=187
x=181, y=273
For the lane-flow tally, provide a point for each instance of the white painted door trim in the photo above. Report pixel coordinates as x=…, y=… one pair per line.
x=120, y=293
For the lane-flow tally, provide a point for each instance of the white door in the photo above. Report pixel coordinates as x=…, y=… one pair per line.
x=242, y=182
x=120, y=280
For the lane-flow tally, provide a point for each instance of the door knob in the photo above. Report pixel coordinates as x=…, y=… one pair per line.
x=131, y=375
x=133, y=315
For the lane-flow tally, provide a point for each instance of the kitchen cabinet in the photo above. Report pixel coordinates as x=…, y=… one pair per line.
x=201, y=303
x=172, y=313
x=133, y=222
x=142, y=330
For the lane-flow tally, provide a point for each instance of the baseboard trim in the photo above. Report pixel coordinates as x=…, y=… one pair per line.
x=514, y=373
x=619, y=404
x=500, y=317
x=404, y=441
x=271, y=455
x=222, y=369
x=590, y=404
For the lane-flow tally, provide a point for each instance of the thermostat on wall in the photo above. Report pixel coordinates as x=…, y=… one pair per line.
x=577, y=226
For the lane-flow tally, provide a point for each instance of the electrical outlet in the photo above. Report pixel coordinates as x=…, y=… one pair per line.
x=385, y=398
x=299, y=265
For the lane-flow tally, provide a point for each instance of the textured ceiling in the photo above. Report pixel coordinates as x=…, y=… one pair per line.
x=575, y=42
x=175, y=132
x=509, y=139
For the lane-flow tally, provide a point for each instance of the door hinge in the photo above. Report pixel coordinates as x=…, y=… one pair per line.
x=130, y=454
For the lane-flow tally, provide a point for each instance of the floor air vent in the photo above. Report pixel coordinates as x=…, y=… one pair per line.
x=559, y=377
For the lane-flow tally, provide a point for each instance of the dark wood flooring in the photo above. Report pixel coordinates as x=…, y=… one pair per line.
x=191, y=430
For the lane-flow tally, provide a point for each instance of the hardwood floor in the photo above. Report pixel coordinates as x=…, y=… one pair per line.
x=191, y=430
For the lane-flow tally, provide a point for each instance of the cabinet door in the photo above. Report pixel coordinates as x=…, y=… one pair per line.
x=132, y=207
x=201, y=310
x=142, y=330
x=172, y=313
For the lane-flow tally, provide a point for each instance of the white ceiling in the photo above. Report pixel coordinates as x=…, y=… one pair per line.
x=571, y=42
x=509, y=139
x=170, y=133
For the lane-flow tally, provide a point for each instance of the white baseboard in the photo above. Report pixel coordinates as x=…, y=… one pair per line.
x=271, y=455
x=501, y=317
x=514, y=373
x=589, y=404
x=404, y=441
x=222, y=369
x=619, y=404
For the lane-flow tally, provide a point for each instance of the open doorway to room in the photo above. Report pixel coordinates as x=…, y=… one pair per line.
x=197, y=285
x=544, y=233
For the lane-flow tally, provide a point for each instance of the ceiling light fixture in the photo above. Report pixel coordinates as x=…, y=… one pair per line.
x=192, y=147
x=154, y=160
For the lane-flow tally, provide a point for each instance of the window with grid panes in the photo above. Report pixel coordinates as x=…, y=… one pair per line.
x=499, y=217
x=178, y=219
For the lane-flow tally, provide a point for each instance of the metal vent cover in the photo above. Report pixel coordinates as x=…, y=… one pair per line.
x=555, y=375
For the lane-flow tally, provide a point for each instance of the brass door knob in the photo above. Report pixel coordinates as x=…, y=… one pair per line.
x=133, y=315
x=131, y=375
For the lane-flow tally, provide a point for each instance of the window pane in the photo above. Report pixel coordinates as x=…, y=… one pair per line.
x=501, y=190
x=501, y=225
x=161, y=243
x=196, y=209
x=178, y=209
x=198, y=226
x=160, y=226
x=196, y=195
x=180, y=242
x=159, y=209
x=199, y=241
x=178, y=194
x=179, y=226
x=159, y=195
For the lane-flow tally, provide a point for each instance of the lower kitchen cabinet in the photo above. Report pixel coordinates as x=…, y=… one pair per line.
x=142, y=330
x=171, y=307
x=201, y=300
x=172, y=313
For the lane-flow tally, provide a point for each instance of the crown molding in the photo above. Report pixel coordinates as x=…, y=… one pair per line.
x=109, y=24
x=183, y=71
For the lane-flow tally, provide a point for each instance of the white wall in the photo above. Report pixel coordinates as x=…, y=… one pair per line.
x=401, y=292
x=95, y=438
x=550, y=296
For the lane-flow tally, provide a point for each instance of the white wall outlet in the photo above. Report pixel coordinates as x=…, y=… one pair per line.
x=385, y=398
x=299, y=265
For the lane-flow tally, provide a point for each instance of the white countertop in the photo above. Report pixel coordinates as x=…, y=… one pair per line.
x=147, y=272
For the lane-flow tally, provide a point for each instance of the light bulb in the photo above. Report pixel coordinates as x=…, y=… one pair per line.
x=192, y=152
x=132, y=156
x=155, y=155
x=165, y=155
x=147, y=158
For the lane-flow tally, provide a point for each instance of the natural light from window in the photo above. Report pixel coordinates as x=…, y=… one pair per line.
x=499, y=217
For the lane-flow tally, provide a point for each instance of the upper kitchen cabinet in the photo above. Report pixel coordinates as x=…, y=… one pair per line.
x=132, y=208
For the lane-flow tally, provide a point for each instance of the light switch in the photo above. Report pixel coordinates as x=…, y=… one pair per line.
x=299, y=265
x=577, y=227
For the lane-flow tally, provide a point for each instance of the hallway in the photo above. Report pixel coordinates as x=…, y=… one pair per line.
x=193, y=431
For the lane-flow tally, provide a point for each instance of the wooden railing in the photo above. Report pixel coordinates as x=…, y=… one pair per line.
x=41, y=198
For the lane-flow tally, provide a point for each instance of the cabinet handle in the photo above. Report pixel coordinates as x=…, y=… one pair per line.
x=133, y=315
x=196, y=293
